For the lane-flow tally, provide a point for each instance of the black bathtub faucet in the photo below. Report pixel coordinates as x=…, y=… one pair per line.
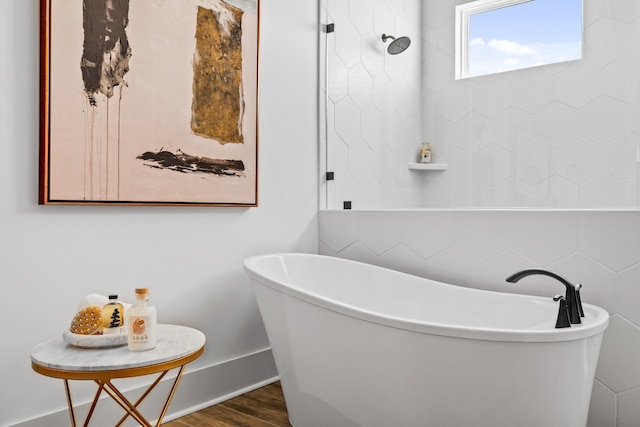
x=563, y=313
x=573, y=302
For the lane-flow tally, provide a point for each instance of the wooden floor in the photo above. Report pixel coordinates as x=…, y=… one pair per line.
x=263, y=407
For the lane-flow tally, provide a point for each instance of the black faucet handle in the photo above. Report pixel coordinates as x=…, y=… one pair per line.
x=578, y=300
x=563, y=313
x=570, y=293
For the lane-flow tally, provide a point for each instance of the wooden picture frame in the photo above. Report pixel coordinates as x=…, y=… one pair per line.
x=149, y=102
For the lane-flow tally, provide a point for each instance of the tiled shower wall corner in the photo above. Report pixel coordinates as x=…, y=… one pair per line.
x=559, y=136
x=476, y=248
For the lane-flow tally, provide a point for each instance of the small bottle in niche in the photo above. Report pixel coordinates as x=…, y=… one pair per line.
x=113, y=316
x=141, y=323
x=425, y=153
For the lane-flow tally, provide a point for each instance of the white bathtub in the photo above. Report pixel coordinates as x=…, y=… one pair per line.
x=359, y=345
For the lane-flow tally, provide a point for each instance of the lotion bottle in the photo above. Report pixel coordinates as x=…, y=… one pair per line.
x=425, y=153
x=141, y=323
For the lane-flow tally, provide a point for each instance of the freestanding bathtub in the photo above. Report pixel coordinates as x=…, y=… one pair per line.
x=362, y=346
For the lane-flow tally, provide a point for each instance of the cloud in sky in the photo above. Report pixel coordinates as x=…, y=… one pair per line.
x=509, y=47
x=497, y=55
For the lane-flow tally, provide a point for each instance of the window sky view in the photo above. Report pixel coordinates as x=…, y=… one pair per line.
x=525, y=35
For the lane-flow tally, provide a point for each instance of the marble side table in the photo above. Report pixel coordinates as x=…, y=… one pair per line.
x=177, y=346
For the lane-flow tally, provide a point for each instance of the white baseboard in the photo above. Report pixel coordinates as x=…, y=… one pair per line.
x=198, y=389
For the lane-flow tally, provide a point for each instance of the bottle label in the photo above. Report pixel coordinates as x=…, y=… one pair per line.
x=141, y=329
x=116, y=318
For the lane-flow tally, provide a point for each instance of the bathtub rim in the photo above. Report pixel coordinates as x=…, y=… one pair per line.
x=589, y=327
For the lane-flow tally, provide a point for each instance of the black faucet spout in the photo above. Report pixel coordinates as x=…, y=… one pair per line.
x=570, y=294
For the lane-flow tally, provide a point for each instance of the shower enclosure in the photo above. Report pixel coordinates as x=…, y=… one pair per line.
x=371, y=103
x=557, y=136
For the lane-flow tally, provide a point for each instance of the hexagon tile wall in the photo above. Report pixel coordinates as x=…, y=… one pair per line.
x=557, y=136
x=373, y=102
x=599, y=249
x=563, y=136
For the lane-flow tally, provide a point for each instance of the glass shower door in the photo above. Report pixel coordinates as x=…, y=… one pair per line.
x=370, y=103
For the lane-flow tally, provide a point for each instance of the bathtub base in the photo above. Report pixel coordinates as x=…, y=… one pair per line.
x=339, y=371
x=362, y=346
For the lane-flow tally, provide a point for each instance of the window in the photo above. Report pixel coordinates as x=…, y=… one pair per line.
x=494, y=36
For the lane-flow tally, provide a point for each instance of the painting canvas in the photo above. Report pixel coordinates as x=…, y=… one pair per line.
x=149, y=102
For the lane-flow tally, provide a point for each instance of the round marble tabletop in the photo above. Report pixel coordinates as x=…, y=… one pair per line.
x=174, y=343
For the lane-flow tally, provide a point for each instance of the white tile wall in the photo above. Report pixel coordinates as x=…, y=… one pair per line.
x=564, y=136
x=373, y=101
x=599, y=249
x=558, y=136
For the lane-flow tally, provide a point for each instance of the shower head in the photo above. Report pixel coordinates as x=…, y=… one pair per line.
x=398, y=45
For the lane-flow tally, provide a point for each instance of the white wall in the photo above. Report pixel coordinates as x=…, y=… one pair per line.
x=191, y=258
x=480, y=249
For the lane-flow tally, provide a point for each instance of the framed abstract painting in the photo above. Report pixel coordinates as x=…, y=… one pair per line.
x=149, y=102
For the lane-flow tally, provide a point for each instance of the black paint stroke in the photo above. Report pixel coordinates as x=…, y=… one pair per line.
x=185, y=163
x=106, y=50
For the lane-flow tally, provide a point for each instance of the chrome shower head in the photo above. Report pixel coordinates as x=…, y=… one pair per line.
x=398, y=45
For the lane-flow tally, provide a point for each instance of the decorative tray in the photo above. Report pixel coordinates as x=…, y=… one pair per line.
x=94, y=341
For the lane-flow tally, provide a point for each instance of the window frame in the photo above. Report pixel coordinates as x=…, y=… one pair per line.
x=463, y=14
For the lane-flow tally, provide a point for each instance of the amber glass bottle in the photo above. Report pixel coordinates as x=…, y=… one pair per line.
x=113, y=316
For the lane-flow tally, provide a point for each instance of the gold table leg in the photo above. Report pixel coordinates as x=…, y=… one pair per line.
x=121, y=400
x=131, y=409
x=144, y=395
x=72, y=415
x=93, y=405
x=171, y=393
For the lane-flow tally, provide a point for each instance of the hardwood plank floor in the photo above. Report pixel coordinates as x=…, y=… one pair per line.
x=263, y=407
